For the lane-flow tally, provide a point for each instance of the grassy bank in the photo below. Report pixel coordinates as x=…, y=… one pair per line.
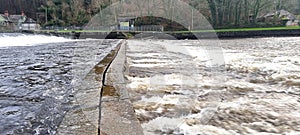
x=259, y=29
x=244, y=29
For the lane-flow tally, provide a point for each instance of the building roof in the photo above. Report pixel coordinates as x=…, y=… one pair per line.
x=284, y=13
x=269, y=15
x=29, y=20
x=125, y=18
x=281, y=14
x=17, y=18
x=4, y=18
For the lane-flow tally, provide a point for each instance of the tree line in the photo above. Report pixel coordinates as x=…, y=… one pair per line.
x=246, y=12
x=221, y=13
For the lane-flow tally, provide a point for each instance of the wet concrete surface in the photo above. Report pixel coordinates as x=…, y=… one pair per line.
x=117, y=113
x=85, y=120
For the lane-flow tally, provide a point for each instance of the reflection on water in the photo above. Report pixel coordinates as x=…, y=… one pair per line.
x=175, y=91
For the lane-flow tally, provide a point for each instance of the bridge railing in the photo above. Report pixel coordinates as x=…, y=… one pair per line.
x=110, y=28
x=126, y=28
x=148, y=28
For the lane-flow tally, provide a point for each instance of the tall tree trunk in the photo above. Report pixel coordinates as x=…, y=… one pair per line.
x=213, y=11
x=231, y=13
x=238, y=11
x=226, y=13
x=220, y=11
x=278, y=5
x=256, y=10
x=246, y=11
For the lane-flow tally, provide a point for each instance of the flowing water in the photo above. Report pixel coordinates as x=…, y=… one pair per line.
x=177, y=87
x=37, y=78
x=241, y=86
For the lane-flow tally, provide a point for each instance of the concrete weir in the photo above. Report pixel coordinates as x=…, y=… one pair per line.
x=103, y=105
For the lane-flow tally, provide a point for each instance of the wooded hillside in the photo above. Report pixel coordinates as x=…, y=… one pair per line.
x=221, y=13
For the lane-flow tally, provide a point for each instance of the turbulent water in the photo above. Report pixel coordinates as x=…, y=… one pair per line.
x=37, y=77
x=238, y=86
x=187, y=87
x=17, y=39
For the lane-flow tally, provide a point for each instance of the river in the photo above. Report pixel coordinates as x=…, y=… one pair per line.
x=253, y=89
x=232, y=86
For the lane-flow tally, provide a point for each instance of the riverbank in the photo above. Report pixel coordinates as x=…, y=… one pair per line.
x=197, y=34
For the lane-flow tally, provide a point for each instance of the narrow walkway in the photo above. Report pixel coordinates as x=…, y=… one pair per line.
x=116, y=111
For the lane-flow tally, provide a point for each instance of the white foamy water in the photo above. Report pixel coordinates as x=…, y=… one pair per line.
x=254, y=88
x=17, y=39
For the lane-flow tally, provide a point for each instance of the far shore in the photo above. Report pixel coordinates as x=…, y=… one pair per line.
x=193, y=31
x=194, y=34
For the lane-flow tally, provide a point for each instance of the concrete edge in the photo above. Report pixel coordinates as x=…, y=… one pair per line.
x=83, y=119
x=117, y=112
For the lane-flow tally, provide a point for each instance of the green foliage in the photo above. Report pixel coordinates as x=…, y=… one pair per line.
x=69, y=12
x=220, y=13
